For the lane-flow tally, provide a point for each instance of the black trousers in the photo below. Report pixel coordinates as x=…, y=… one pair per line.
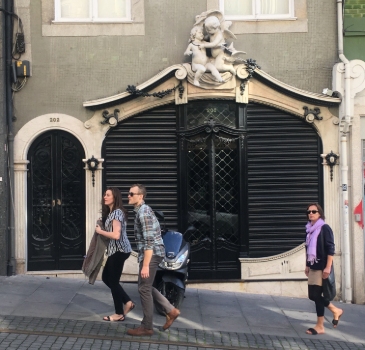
x=111, y=275
x=315, y=294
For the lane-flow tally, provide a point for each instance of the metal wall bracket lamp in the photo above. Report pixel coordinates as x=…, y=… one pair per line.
x=92, y=164
x=331, y=159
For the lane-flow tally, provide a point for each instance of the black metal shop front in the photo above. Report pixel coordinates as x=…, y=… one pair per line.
x=241, y=174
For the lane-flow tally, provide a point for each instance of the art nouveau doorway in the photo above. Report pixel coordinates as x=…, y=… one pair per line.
x=56, y=203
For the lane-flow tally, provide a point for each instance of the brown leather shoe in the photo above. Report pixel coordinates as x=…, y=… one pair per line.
x=140, y=331
x=171, y=317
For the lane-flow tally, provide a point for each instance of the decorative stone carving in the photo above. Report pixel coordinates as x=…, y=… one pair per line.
x=181, y=73
x=207, y=81
x=210, y=31
x=357, y=76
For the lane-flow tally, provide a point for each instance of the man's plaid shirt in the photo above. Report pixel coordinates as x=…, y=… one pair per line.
x=147, y=232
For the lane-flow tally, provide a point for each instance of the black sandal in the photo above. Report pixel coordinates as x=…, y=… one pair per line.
x=335, y=322
x=109, y=319
x=312, y=331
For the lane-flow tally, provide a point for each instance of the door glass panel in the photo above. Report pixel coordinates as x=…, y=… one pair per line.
x=71, y=199
x=42, y=237
x=200, y=113
x=198, y=189
x=226, y=189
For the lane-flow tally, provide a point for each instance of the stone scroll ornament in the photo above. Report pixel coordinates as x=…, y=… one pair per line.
x=213, y=59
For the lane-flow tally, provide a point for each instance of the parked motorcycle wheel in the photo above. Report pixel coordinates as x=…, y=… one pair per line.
x=173, y=294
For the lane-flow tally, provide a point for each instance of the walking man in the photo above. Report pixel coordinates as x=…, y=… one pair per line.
x=151, y=252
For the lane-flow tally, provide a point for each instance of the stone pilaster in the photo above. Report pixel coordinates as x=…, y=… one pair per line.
x=20, y=214
x=93, y=196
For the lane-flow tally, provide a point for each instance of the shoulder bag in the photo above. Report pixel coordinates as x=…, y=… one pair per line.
x=328, y=284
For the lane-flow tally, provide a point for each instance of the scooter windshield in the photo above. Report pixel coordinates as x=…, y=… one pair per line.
x=172, y=241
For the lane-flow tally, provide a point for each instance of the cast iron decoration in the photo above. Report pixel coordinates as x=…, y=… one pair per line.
x=160, y=94
x=331, y=159
x=111, y=119
x=92, y=164
x=311, y=114
x=251, y=66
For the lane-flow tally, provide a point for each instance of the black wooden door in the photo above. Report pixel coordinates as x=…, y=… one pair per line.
x=56, y=203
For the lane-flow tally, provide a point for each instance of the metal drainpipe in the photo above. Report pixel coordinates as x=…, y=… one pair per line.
x=9, y=7
x=344, y=162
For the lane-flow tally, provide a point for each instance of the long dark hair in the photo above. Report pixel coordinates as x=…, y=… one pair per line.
x=319, y=208
x=118, y=204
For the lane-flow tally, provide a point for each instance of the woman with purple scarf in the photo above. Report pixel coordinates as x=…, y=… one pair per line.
x=318, y=267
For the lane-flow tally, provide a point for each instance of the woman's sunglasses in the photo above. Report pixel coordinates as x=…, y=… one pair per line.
x=312, y=211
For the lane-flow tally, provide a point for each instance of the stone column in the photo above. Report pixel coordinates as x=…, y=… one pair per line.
x=93, y=194
x=20, y=213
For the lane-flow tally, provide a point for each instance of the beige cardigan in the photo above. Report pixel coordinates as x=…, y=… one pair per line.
x=95, y=255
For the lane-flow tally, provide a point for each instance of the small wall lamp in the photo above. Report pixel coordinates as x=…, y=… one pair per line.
x=331, y=159
x=92, y=164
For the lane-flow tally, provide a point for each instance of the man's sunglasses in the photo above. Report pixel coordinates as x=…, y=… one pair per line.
x=312, y=211
x=131, y=194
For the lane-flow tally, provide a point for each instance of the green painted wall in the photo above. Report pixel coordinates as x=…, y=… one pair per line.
x=354, y=29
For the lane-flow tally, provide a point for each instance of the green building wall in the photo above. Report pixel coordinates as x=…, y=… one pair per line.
x=354, y=29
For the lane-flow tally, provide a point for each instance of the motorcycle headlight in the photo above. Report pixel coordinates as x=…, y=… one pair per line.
x=174, y=265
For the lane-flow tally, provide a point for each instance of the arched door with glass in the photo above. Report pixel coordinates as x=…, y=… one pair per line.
x=56, y=203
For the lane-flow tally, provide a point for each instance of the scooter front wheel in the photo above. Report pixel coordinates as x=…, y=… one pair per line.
x=173, y=294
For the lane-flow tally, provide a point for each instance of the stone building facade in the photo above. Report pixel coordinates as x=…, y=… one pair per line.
x=241, y=158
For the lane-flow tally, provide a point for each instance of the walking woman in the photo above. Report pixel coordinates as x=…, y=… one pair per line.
x=114, y=218
x=318, y=264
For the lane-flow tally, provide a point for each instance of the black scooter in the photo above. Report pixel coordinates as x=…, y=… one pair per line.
x=173, y=271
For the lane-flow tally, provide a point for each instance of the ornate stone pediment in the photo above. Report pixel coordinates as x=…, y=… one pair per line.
x=217, y=71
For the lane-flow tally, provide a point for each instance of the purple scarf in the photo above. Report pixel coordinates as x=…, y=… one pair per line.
x=311, y=240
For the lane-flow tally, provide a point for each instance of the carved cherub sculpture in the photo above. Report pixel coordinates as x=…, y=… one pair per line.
x=217, y=32
x=200, y=61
